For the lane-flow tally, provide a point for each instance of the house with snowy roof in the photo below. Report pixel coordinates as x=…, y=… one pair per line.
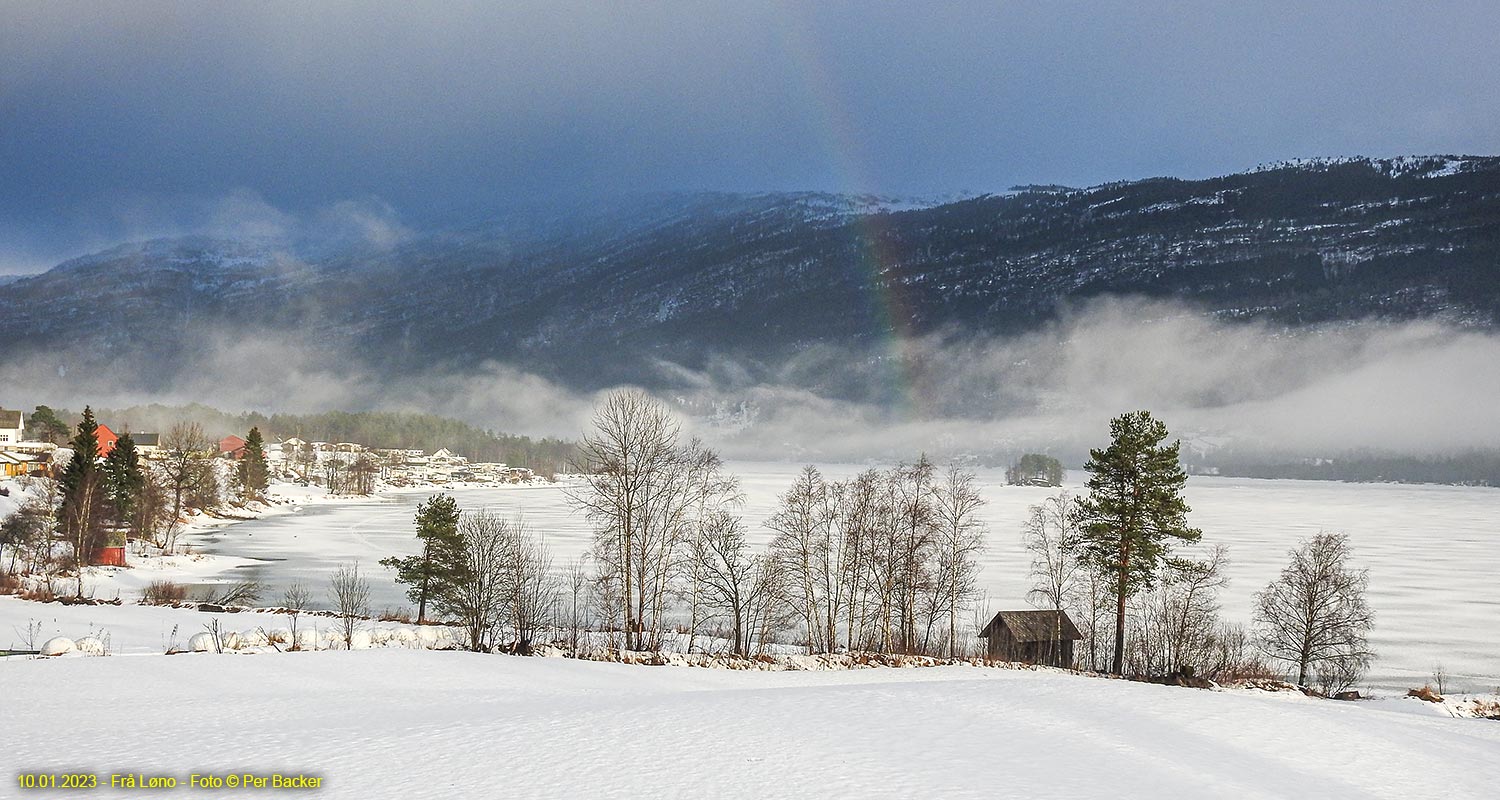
x=14, y=464
x=12, y=427
x=147, y=444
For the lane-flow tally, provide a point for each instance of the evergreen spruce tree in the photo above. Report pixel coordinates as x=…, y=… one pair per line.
x=253, y=473
x=82, y=513
x=124, y=479
x=1133, y=512
x=439, y=566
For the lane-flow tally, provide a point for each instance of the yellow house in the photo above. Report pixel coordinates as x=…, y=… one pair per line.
x=13, y=466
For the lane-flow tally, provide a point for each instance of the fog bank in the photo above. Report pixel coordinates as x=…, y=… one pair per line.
x=1420, y=388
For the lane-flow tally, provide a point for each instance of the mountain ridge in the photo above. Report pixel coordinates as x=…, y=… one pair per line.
x=595, y=294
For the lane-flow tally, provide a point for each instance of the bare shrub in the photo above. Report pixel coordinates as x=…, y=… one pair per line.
x=1425, y=693
x=163, y=593
x=42, y=592
x=1174, y=624
x=295, y=599
x=215, y=631
x=1235, y=658
x=233, y=594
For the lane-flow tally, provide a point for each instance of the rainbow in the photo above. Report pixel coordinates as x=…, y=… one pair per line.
x=889, y=308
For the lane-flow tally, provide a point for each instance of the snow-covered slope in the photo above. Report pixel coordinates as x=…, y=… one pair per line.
x=767, y=275
x=420, y=724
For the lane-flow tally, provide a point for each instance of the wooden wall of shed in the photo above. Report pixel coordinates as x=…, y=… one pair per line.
x=1004, y=647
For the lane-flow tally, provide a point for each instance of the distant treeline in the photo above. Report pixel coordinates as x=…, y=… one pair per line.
x=1474, y=468
x=380, y=429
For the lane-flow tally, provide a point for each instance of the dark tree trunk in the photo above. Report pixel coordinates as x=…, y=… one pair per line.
x=1118, y=667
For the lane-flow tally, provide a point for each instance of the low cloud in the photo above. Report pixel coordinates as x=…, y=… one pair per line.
x=1418, y=388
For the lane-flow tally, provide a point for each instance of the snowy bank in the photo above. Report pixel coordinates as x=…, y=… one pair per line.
x=421, y=724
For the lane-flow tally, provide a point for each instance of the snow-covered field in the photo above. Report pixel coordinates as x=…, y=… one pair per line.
x=411, y=722
x=405, y=723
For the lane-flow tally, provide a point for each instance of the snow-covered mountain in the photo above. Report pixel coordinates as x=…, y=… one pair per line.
x=589, y=294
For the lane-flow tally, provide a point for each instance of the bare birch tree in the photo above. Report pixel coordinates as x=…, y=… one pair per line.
x=644, y=492
x=807, y=553
x=958, y=543
x=479, y=600
x=1314, y=616
x=733, y=580
x=531, y=584
x=1051, y=536
x=350, y=594
x=186, y=450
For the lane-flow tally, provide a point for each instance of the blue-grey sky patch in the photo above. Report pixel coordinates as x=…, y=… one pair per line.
x=146, y=118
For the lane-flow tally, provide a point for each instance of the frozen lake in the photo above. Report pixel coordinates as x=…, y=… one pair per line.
x=1433, y=551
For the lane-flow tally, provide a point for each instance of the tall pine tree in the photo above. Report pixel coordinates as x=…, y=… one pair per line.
x=124, y=480
x=82, y=514
x=440, y=564
x=46, y=426
x=254, y=475
x=1133, y=512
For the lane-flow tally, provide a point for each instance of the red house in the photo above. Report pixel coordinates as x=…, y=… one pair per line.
x=233, y=446
x=107, y=439
x=112, y=554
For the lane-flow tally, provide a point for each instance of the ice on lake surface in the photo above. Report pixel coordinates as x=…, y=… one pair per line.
x=1432, y=551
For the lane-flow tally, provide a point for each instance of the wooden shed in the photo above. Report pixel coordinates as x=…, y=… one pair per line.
x=1033, y=637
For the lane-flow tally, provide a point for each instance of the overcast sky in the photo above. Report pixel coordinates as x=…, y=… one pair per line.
x=128, y=120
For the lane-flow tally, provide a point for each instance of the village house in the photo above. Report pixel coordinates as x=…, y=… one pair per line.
x=30, y=458
x=12, y=428
x=232, y=446
x=1032, y=637
x=147, y=444
x=13, y=465
x=448, y=458
x=107, y=439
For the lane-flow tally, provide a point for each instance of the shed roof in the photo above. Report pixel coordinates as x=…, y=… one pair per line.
x=1034, y=626
x=146, y=439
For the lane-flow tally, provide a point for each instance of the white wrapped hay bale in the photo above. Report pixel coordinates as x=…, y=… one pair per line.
x=281, y=636
x=201, y=643
x=360, y=640
x=233, y=641
x=58, y=645
x=255, y=637
x=406, y=637
x=307, y=638
x=90, y=646
x=428, y=636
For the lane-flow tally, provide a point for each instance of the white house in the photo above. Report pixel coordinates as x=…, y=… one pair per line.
x=147, y=444
x=12, y=428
